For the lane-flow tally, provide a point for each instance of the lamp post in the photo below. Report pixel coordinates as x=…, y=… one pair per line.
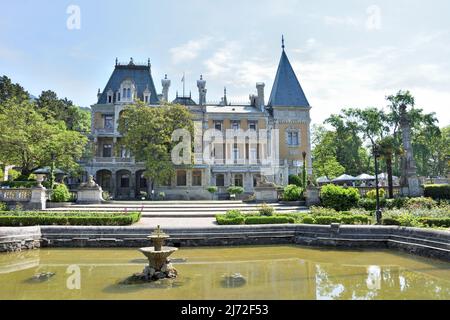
x=376, y=154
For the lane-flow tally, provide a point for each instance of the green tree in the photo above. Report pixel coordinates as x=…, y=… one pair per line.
x=51, y=107
x=29, y=141
x=147, y=134
x=9, y=90
x=324, y=154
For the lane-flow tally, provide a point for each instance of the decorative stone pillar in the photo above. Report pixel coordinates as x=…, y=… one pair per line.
x=312, y=195
x=410, y=181
x=133, y=185
x=38, y=198
x=90, y=193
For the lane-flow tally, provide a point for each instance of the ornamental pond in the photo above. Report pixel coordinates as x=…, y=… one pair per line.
x=241, y=273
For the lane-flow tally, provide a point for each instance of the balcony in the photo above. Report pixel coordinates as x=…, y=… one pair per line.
x=104, y=131
x=113, y=160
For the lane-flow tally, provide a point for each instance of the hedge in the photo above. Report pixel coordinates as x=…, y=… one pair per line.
x=437, y=192
x=436, y=222
x=18, y=219
x=269, y=220
x=227, y=221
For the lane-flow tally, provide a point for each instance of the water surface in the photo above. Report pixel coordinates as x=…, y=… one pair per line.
x=271, y=272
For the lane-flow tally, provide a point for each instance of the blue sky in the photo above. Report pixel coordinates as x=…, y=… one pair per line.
x=349, y=53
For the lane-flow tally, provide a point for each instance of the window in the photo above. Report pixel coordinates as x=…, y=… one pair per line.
x=218, y=125
x=235, y=153
x=197, y=178
x=181, y=178
x=252, y=125
x=109, y=99
x=129, y=94
x=253, y=154
x=238, y=180
x=220, y=180
x=235, y=125
x=118, y=96
x=146, y=99
x=107, y=151
x=109, y=122
x=125, y=181
x=124, y=93
x=142, y=182
x=293, y=138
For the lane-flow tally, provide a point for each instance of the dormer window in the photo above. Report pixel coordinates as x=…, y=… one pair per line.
x=109, y=96
x=147, y=96
x=128, y=91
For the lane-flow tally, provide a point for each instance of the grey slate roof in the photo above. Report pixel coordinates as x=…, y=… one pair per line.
x=139, y=74
x=287, y=91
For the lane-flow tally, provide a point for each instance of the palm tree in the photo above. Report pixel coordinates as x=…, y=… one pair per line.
x=388, y=148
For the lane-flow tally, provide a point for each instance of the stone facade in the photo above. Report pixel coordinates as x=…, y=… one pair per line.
x=241, y=163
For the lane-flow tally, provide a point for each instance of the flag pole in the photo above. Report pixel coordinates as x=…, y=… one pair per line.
x=184, y=83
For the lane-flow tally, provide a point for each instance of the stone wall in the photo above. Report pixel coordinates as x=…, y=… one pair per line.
x=429, y=243
x=18, y=239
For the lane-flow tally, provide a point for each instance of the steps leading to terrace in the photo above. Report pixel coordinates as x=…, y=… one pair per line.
x=174, y=209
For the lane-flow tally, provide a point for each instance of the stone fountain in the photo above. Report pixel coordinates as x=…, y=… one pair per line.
x=159, y=265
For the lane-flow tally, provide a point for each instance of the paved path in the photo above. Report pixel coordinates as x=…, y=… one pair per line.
x=179, y=209
x=177, y=223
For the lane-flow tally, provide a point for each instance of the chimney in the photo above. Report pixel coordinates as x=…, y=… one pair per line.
x=166, y=85
x=261, y=100
x=99, y=94
x=201, y=84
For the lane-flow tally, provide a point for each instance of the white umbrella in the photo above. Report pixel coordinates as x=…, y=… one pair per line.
x=344, y=177
x=365, y=177
x=323, y=180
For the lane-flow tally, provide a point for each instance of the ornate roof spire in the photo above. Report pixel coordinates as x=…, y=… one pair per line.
x=282, y=42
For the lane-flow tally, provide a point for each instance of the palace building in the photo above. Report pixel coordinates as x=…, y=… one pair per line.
x=286, y=113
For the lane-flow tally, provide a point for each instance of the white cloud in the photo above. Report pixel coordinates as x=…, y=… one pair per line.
x=348, y=21
x=333, y=79
x=189, y=51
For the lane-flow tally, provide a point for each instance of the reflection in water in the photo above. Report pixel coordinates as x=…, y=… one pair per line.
x=277, y=272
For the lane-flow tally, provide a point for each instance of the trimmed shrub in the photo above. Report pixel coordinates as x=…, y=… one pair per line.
x=437, y=192
x=233, y=214
x=326, y=220
x=269, y=220
x=372, y=194
x=295, y=180
x=356, y=219
x=223, y=220
x=339, y=198
x=436, y=222
x=60, y=193
x=235, y=190
x=212, y=189
x=308, y=220
x=292, y=193
x=266, y=210
x=391, y=222
x=16, y=219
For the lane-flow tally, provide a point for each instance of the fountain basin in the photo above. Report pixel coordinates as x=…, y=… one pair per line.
x=157, y=259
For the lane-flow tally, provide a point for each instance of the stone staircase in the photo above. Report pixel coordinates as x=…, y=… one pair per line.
x=179, y=209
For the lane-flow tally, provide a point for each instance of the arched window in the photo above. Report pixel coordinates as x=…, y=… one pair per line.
x=128, y=90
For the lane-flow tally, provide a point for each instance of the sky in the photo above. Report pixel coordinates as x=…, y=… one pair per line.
x=348, y=53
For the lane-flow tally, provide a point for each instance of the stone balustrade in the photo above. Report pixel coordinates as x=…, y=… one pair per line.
x=15, y=195
x=28, y=199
